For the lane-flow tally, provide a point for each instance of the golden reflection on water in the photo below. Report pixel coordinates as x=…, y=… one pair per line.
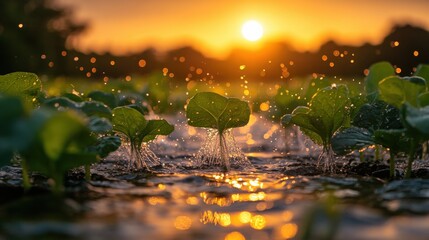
x=156, y=200
x=258, y=222
x=241, y=183
x=234, y=236
x=289, y=230
x=183, y=223
x=192, y=200
x=215, y=218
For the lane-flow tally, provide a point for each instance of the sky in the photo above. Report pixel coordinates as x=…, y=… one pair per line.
x=214, y=27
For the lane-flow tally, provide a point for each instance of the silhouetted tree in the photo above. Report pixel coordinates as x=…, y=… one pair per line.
x=33, y=36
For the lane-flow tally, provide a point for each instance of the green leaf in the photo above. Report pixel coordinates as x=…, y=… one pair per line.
x=351, y=139
x=60, y=102
x=155, y=128
x=416, y=121
x=396, y=90
x=377, y=72
x=422, y=71
x=57, y=142
x=59, y=131
x=89, y=108
x=394, y=139
x=22, y=84
x=377, y=115
x=129, y=122
x=93, y=108
x=300, y=116
x=105, y=145
x=329, y=110
x=423, y=99
x=73, y=97
x=211, y=110
x=107, y=98
x=99, y=125
x=136, y=128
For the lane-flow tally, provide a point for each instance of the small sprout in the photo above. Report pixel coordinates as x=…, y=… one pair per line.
x=213, y=111
x=132, y=125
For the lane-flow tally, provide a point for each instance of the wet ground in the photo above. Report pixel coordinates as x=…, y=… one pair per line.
x=283, y=196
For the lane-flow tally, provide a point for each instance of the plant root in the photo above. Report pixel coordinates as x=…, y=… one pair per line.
x=221, y=150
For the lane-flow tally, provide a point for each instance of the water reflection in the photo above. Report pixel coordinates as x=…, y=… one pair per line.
x=183, y=223
x=215, y=218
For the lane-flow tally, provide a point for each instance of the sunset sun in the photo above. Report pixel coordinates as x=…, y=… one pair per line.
x=252, y=30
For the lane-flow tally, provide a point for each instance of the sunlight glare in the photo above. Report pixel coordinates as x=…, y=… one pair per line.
x=252, y=30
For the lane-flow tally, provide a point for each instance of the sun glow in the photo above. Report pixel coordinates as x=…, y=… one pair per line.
x=252, y=30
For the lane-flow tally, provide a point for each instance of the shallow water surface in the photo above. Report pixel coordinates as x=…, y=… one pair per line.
x=181, y=202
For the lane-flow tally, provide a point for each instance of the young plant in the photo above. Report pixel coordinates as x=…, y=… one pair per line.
x=221, y=114
x=407, y=94
x=54, y=142
x=327, y=111
x=138, y=132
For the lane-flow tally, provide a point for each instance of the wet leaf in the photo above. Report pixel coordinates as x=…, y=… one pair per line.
x=94, y=108
x=329, y=110
x=129, y=122
x=211, y=110
x=422, y=70
x=416, y=121
x=155, y=128
x=107, y=98
x=99, y=125
x=136, y=128
x=105, y=145
x=377, y=115
x=396, y=90
x=89, y=108
x=351, y=139
x=394, y=139
x=377, y=72
x=22, y=84
x=57, y=142
x=423, y=99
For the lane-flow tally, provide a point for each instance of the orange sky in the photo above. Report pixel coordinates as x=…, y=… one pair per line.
x=214, y=26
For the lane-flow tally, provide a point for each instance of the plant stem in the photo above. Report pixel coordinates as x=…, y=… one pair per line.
x=88, y=172
x=25, y=176
x=410, y=158
x=392, y=165
x=224, y=152
x=377, y=153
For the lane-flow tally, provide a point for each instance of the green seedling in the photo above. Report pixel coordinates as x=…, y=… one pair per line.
x=327, y=111
x=55, y=142
x=138, y=132
x=213, y=111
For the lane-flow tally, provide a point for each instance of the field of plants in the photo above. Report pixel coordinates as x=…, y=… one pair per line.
x=316, y=158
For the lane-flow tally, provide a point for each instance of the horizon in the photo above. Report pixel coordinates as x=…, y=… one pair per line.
x=112, y=31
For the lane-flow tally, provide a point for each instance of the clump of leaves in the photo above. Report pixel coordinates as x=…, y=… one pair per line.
x=409, y=94
x=374, y=121
x=138, y=132
x=327, y=111
x=218, y=114
x=57, y=142
x=389, y=118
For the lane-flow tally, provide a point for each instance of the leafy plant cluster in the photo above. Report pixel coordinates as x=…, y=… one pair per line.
x=51, y=135
x=393, y=113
